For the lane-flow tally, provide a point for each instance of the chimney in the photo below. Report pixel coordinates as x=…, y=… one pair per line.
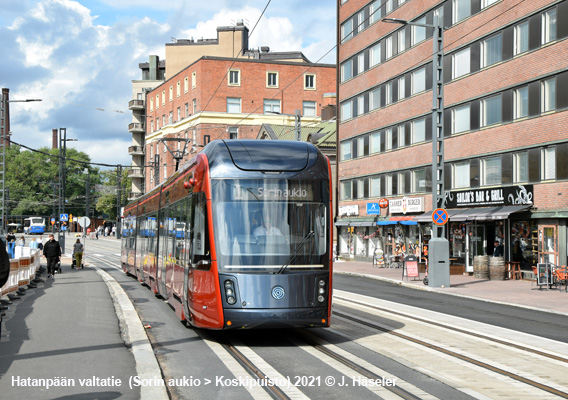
x=54, y=138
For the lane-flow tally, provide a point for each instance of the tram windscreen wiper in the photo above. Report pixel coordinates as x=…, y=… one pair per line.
x=295, y=252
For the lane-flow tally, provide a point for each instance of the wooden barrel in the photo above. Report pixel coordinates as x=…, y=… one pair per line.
x=480, y=267
x=497, y=268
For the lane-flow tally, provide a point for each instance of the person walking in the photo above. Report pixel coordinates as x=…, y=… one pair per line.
x=78, y=253
x=52, y=252
x=22, y=242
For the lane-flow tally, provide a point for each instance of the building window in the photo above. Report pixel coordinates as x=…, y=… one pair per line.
x=548, y=98
x=171, y=93
x=271, y=106
x=401, y=40
x=388, y=47
x=401, y=87
x=178, y=89
x=233, y=104
x=549, y=26
x=233, y=132
x=157, y=101
x=193, y=79
x=374, y=11
x=388, y=6
x=375, y=55
x=418, y=184
x=309, y=109
x=521, y=102
x=521, y=38
x=375, y=99
x=401, y=136
x=186, y=84
x=234, y=77
x=418, y=131
x=360, y=21
x=460, y=175
x=491, y=50
x=171, y=117
x=179, y=113
x=163, y=97
x=346, y=150
x=375, y=186
x=491, y=111
x=375, y=142
x=165, y=171
x=461, y=9
x=419, y=32
x=310, y=81
x=388, y=138
x=151, y=126
x=151, y=104
x=194, y=105
x=347, y=29
x=388, y=185
x=347, y=110
x=163, y=120
x=346, y=190
x=487, y=3
x=388, y=93
x=461, y=119
x=360, y=63
x=521, y=167
x=186, y=110
x=491, y=171
x=401, y=181
x=346, y=70
x=272, y=79
x=461, y=63
x=361, y=105
x=419, y=80
x=548, y=164
x=361, y=147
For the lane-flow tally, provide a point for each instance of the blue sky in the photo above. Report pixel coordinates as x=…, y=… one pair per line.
x=80, y=57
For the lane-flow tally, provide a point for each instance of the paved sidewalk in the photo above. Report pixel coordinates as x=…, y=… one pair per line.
x=65, y=332
x=524, y=293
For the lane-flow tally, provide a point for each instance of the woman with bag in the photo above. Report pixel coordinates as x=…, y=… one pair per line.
x=78, y=253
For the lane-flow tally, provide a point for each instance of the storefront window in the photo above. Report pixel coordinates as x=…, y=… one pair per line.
x=524, y=243
x=457, y=239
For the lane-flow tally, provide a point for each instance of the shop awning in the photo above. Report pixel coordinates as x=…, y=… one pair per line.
x=351, y=222
x=476, y=214
x=386, y=222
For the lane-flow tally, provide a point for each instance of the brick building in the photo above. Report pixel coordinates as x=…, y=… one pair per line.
x=221, y=89
x=224, y=98
x=505, y=96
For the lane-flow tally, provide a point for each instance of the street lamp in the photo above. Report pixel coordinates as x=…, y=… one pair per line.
x=4, y=135
x=439, y=263
x=62, y=163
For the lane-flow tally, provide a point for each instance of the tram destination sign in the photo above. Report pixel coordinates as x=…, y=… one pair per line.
x=502, y=196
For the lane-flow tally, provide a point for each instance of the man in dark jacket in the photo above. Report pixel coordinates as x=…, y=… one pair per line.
x=52, y=252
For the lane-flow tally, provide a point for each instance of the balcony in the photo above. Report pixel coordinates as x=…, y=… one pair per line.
x=136, y=127
x=136, y=150
x=136, y=105
x=136, y=172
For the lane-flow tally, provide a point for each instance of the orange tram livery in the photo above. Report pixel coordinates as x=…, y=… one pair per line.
x=239, y=237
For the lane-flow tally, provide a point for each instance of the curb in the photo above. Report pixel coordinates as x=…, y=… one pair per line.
x=429, y=289
x=135, y=338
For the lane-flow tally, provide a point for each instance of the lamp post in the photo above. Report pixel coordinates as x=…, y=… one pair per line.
x=62, y=164
x=4, y=138
x=439, y=250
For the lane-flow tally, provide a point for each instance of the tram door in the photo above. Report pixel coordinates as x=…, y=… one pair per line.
x=476, y=243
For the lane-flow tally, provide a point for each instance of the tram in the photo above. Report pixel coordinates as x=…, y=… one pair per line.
x=239, y=237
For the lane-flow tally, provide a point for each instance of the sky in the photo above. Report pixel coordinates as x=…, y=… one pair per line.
x=80, y=57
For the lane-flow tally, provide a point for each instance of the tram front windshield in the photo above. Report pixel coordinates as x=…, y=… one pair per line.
x=271, y=226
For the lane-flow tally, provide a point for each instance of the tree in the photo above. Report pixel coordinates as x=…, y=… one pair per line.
x=107, y=199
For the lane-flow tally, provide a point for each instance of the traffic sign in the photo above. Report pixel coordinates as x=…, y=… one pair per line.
x=440, y=216
x=84, y=221
x=63, y=217
x=383, y=203
x=373, y=208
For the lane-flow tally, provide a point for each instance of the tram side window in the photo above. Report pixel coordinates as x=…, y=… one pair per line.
x=152, y=230
x=200, y=239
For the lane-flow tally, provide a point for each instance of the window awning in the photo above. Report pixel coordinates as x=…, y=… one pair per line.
x=476, y=214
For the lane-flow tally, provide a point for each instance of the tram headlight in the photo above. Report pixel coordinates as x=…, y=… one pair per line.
x=321, y=291
x=230, y=292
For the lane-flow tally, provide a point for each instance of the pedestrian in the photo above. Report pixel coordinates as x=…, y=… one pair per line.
x=33, y=244
x=22, y=242
x=78, y=253
x=498, y=250
x=114, y=231
x=52, y=252
x=40, y=243
x=106, y=231
x=10, y=237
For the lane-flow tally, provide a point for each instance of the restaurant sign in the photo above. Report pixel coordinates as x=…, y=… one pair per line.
x=406, y=204
x=347, y=211
x=504, y=196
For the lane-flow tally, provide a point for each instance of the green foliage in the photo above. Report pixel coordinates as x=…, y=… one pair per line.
x=32, y=182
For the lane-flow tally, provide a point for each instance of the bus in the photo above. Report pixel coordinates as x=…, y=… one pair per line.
x=196, y=240
x=34, y=225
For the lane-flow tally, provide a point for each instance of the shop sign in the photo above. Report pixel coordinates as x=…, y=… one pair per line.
x=407, y=204
x=373, y=209
x=346, y=211
x=505, y=196
x=383, y=203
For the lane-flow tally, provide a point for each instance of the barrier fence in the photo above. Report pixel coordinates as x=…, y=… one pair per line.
x=22, y=271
